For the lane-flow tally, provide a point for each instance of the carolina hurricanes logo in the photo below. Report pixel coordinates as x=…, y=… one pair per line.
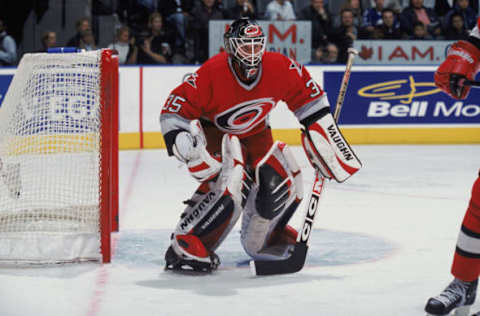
x=252, y=72
x=253, y=30
x=191, y=78
x=243, y=117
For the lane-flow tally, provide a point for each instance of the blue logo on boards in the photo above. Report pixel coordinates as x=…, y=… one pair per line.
x=4, y=84
x=57, y=112
x=399, y=98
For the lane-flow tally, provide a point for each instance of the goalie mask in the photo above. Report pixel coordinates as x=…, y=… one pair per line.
x=245, y=43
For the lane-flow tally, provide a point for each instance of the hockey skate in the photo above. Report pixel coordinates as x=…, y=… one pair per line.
x=191, y=256
x=457, y=297
x=176, y=263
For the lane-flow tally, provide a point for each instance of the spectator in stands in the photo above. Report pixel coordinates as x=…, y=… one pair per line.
x=330, y=54
x=396, y=5
x=468, y=14
x=241, y=9
x=417, y=12
x=344, y=35
x=178, y=13
x=220, y=5
x=389, y=29
x=318, y=14
x=205, y=11
x=280, y=10
x=442, y=7
x=82, y=26
x=134, y=14
x=455, y=29
x=420, y=32
x=373, y=17
x=48, y=40
x=156, y=45
x=14, y=14
x=429, y=4
x=87, y=41
x=8, y=47
x=124, y=46
x=355, y=8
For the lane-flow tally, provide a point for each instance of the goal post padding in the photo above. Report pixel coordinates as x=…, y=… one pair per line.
x=58, y=170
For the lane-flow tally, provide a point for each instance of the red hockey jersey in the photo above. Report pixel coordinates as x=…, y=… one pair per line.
x=215, y=94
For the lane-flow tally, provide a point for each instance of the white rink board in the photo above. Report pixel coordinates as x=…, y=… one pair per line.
x=158, y=81
x=128, y=101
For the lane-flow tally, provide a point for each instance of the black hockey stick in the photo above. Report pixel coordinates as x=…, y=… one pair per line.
x=472, y=83
x=296, y=260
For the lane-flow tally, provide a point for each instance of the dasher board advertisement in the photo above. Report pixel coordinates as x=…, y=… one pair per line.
x=5, y=80
x=399, y=97
x=389, y=52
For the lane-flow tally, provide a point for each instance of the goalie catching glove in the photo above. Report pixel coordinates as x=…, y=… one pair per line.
x=326, y=148
x=191, y=148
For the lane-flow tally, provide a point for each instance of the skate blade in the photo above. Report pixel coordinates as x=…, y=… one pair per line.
x=460, y=311
x=190, y=272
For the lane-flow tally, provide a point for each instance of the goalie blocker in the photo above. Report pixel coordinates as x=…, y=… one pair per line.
x=327, y=149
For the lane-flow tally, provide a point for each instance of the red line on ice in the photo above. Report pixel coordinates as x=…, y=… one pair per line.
x=103, y=274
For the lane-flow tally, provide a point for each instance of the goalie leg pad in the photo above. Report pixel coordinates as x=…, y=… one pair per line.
x=203, y=225
x=328, y=150
x=212, y=211
x=277, y=193
x=209, y=218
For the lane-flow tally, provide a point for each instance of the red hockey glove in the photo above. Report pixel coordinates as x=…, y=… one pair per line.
x=463, y=62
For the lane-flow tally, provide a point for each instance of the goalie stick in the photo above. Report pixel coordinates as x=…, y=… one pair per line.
x=296, y=260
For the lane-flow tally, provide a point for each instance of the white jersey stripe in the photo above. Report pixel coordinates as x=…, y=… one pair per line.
x=468, y=243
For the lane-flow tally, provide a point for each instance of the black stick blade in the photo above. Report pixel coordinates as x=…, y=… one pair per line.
x=292, y=264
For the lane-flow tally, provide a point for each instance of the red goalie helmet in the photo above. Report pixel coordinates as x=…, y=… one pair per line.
x=245, y=42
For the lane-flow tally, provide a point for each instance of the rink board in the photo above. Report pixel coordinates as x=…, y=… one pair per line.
x=383, y=105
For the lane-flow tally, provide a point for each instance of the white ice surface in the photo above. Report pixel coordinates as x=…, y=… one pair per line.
x=383, y=244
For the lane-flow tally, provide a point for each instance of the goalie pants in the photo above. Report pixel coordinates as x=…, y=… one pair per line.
x=466, y=262
x=254, y=147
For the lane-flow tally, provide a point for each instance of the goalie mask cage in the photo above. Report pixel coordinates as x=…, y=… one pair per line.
x=59, y=159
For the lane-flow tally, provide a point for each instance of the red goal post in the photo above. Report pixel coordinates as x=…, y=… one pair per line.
x=59, y=159
x=109, y=214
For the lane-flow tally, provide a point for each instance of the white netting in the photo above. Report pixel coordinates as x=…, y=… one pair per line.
x=50, y=160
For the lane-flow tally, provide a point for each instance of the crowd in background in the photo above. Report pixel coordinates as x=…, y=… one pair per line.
x=176, y=31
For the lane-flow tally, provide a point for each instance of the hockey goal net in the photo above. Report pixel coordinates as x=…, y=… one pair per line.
x=59, y=159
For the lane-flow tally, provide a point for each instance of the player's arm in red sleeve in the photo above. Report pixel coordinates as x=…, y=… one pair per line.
x=181, y=129
x=184, y=104
x=324, y=144
x=462, y=63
